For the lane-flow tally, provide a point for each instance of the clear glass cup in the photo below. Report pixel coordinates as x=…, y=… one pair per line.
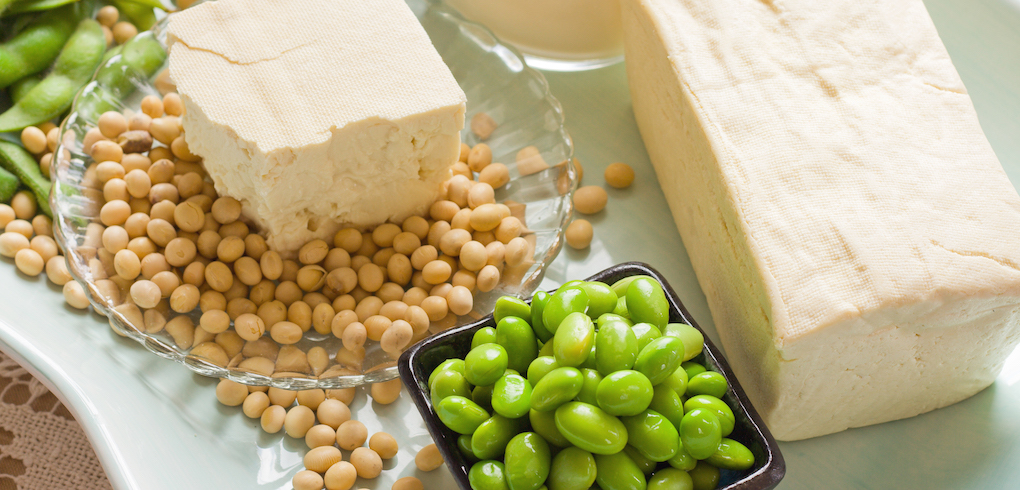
x=555, y=35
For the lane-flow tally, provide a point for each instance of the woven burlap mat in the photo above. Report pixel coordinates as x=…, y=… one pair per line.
x=42, y=447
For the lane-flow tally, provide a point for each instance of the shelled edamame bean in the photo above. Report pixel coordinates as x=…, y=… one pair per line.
x=623, y=404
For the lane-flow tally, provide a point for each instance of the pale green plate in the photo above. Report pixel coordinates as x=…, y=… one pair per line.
x=157, y=426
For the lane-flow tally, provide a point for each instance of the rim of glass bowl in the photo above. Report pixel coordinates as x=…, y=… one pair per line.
x=74, y=210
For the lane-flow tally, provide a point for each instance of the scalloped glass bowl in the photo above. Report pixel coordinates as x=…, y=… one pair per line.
x=497, y=82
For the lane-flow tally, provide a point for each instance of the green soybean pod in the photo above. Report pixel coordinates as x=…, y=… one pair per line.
x=140, y=14
x=36, y=46
x=647, y=466
x=540, y=367
x=510, y=306
x=618, y=472
x=511, y=396
x=574, y=339
x=572, y=469
x=704, y=476
x=538, y=302
x=556, y=388
x=71, y=71
x=141, y=56
x=464, y=445
x=652, y=435
x=449, y=364
x=700, y=433
x=616, y=347
x=707, y=383
x=19, y=162
x=647, y=303
x=612, y=317
x=683, y=460
x=527, y=462
x=666, y=402
x=621, y=308
x=448, y=383
x=517, y=337
x=670, y=479
x=23, y=86
x=677, y=381
x=8, y=185
x=624, y=393
x=489, y=440
x=660, y=358
x=601, y=298
x=461, y=414
x=731, y=455
x=482, y=395
x=592, y=378
x=484, y=364
x=693, y=369
x=562, y=304
x=590, y=428
x=694, y=340
x=716, y=406
x=645, y=333
x=544, y=423
x=487, y=475
x=484, y=335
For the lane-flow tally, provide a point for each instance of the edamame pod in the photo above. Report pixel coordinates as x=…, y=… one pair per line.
x=562, y=304
x=590, y=428
x=511, y=396
x=700, y=433
x=484, y=335
x=556, y=388
x=538, y=302
x=72, y=70
x=589, y=388
x=485, y=364
x=460, y=414
x=487, y=475
x=572, y=469
x=716, y=406
x=652, y=435
x=694, y=340
x=517, y=337
x=21, y=87
x=34, y=48
x=601, y=298
x=489, y=440
x=527, y=462
x=574, y=339
x=647, y=303
x=544, y=423
x=616, y=347
x=624, y=393
x=510, y=306
x=660, y=358
x=141, y=15
x=670, y=479
x=8, y=185
x=618, y=472
x=18, y=161
x=707, y=383
x=731, y=455
x=141, y=56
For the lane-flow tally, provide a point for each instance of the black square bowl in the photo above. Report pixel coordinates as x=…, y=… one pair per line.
x=418, y=362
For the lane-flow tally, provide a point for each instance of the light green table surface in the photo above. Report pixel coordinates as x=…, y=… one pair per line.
x=157, y=426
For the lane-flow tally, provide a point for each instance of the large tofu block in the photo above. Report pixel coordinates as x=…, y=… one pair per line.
x=316, y=114
x=854, y=234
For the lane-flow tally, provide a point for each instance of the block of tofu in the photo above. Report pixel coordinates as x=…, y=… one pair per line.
x=854, y=234
x=316, y=114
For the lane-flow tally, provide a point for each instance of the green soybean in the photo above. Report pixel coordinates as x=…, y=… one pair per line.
x=544, y=423
x=716, y=406
x=484, y=335
x=538, y=302
x=590, y=428
x=18, y=161
x=71, y=71
x=601, y=298
x=693, y=369
x=484, y=364
x=487, y=475
x=589, y=362
x=449, y=383
x=645, y=333
x=616, y=347
x=618, y=472
x=652, y=435
x=562, y=304
x=682, y=460
x=646, y=302
x=670, y=479
x=704, y=476
x=666, y=402
x=731, y=455
x=592, y=378
x=510, y=306
x=569, y=285
x=540, y=367
x=574, y=339
x=449, y=364
x=482, y=395
x=464, y=445
x=527, y=462
x=624, y=393
x=694, y=340
x=707, y=383
x=546, y=350
x=677, y=381
x=511, y=396
x=460, y=414
x=620, y=287
x=556, y=388
x=647, y=466
x=612, y=317
x=621, y=308
x=518, y=339
x=36, y=46
x=489, y=440
x=660, y=358
x=700, y=433
x=572, y=469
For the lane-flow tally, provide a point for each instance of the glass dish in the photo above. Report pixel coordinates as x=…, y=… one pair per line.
x=419, y=361
x=497, y=82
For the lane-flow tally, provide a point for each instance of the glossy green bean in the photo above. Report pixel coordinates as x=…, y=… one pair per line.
x=660, y=358
x=518, y=338
x=511, y=396
x=527, y=462
x=489, y=440
x=574, y=339
x=647, y=466
x=601, y=298
x=572, y=469
x=556, y=388
x=510, y=306
x=700, y=433
x=645, y=333
x=563, y=303
x=616, y=347
x=618, y=472
x=726, y=419
x=452, y=364
x=731, y=455
x=647, y=303
x=694, y=340
x=448, y=383
x=540, y=367
x=464, y=445
x=707, y=383
x=704, y=476
x=670, y=479
x=652, y=435
x=538, y=302
x=485, y=364
x=544, y=423
x=484, y=335
x=482, y=395
x=589, y=388
x=590, y=428
x=460, y=414
x=624, y=393
x=488, y=475
x=34, y=48
x=667, y=402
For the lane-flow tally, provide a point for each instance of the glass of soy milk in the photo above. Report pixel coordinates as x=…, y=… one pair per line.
x=559, y=35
